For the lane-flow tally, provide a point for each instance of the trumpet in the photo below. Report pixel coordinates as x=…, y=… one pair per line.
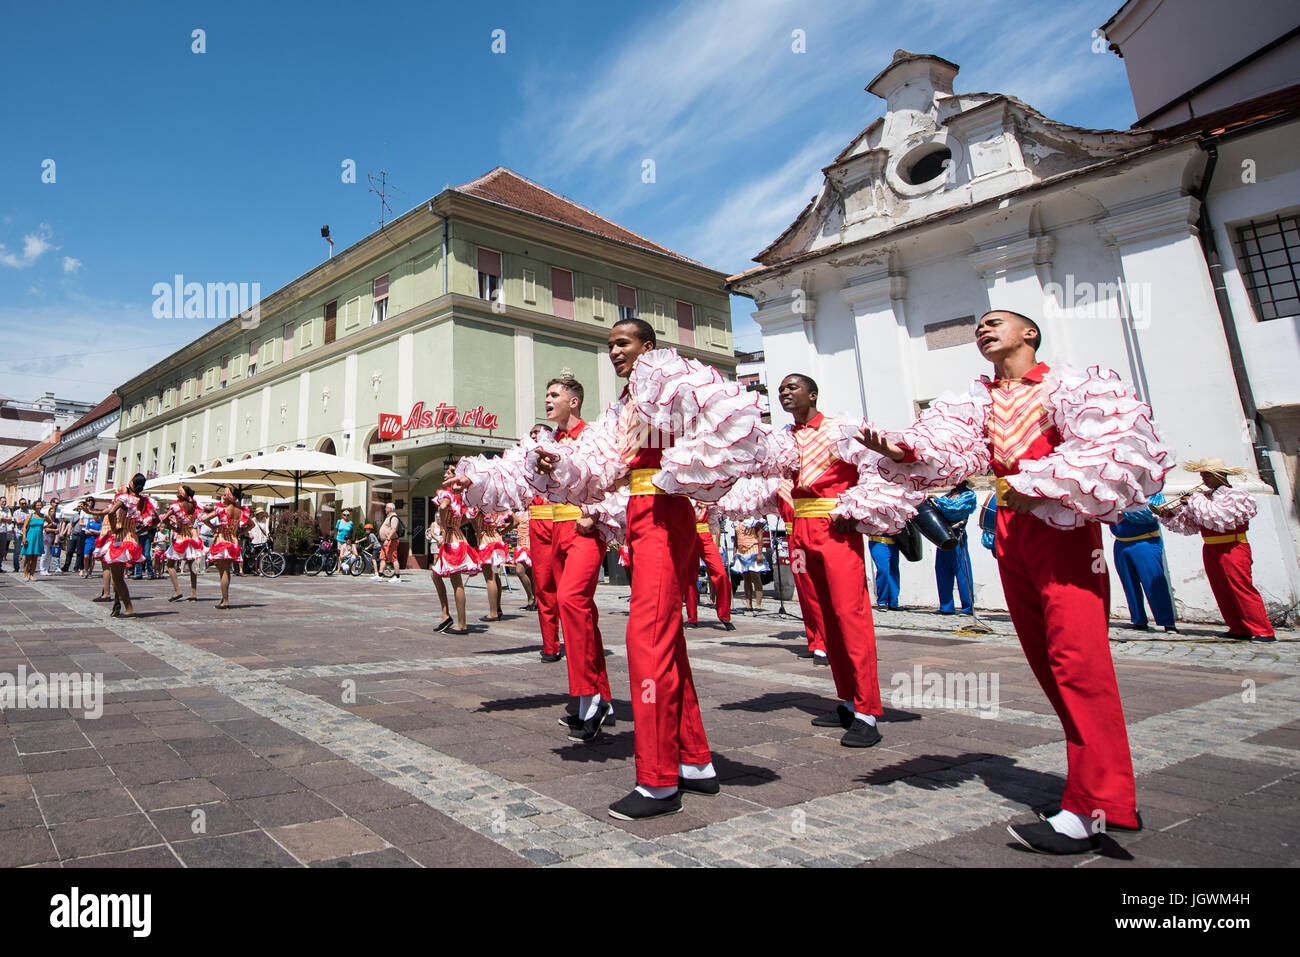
x=1177, y=501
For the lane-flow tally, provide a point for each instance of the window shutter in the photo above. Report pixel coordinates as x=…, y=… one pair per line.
x=489, y=262
x=562, y=293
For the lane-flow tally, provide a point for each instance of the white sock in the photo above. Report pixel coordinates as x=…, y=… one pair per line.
x=697, y=772
x=657, y=793
x=819, y=654
x=1069, y=824
x=587, y=705
x=868, y=718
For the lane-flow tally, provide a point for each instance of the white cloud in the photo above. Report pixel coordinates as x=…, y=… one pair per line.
x=71, y=265
x=34, y=246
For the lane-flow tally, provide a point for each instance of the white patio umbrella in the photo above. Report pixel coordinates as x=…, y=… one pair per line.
x=320, y=469
x=274, y=488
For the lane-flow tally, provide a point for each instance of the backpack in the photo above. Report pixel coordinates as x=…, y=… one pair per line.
x=401, y=527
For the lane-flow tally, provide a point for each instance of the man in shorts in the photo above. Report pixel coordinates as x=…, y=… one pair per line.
x=388, y=535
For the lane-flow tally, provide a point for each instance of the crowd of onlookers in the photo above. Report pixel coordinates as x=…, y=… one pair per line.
x=47, y=537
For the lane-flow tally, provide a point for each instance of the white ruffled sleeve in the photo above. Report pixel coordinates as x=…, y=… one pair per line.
x=1110, y=458
x=716, y=424
x=1226, y=509
x=588, y=467
x=751, y=498
x=778, y=455
x=948, y=442
x=1180, y=522
x=501, y=483
x=879, y=506
x=610, y=514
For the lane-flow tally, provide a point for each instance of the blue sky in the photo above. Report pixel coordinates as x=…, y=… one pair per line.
x=222, y=166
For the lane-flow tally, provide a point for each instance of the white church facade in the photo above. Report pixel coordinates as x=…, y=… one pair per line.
x=953, y=204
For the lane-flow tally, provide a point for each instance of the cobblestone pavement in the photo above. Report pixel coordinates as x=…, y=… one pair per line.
x=322, y=722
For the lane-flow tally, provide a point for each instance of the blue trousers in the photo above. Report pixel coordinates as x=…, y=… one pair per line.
x=954, y=565
x=1141, y=567
x=885, y=558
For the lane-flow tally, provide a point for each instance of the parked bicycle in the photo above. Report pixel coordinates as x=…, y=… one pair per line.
x=364, y=564
x=324, y=559
x=265, y=561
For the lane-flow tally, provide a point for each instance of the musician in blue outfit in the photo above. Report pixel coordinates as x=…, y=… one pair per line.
x=884, y=555
x=954, y=563
x=1140, y=564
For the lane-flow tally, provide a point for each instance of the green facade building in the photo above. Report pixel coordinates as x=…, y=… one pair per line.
x=471, y=302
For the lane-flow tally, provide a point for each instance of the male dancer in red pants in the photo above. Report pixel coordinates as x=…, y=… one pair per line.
x=576, y=555
x=718, y=574
x=1221, y=517
x=830, y=551
x=1069, y=450
x=566, y=563
x=540, y=516
x=672, y=751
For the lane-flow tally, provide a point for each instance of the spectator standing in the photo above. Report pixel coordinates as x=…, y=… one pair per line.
x=6, y=530
x=390, y=532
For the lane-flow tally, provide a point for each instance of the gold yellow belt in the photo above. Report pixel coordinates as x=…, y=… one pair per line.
x=1155, y=533
x=1222, y=539
x=642, y=484
x=1000, y=487
x=566, y=513
x=702, y=528
x=814, y=507
x=543, y=513
x=882, y=539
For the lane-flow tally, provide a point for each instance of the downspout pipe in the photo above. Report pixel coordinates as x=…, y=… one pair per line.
x=446, y=225
x=1211, y=250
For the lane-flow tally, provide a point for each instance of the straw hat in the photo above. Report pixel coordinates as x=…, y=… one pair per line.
x=1213, y=465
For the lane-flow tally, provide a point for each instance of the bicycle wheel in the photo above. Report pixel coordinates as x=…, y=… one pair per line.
x=315, y=564
x=331, y=563
x=271, y=564
x=389, y=571
x=358, y=566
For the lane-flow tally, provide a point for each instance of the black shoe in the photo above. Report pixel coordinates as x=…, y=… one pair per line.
x=572, y=721
x=1051, y=810
x=1045, y=839
x=1263, y=637
x=444, y=624
x=692, y=624
x=861, y=735
x=550, y=659
x=1136, y=627
x=493, y=618
x=728, y=626
x=455, y=631
x=708, y=786
x=1172, y=630
x=177, y=598
x=530, y=607
x=841, y=717
x=637, y=807
x=804, y=653
x=821, y=660
x=588, y=730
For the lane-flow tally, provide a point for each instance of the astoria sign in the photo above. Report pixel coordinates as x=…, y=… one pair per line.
x=444, y=416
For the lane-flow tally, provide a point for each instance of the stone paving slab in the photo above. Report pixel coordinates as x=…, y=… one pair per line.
x=323, y=723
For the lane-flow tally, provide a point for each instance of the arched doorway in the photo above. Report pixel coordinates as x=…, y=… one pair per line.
x=327, y=501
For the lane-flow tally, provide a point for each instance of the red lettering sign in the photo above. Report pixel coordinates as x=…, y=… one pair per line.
x=444, y=416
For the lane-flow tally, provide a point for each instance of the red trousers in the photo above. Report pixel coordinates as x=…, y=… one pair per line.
x=1227, y=566
x=836, y=569
x=575, y=563
x=548, y=606
x=718, y=575
x=665, y=712
x=1058, y=593
x=813, y=626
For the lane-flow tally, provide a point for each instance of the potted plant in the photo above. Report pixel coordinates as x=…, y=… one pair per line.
x=295, y=536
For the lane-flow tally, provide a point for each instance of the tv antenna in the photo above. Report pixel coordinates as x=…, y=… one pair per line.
x=380, y=186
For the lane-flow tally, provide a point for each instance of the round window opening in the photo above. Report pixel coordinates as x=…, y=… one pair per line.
x=926, y=167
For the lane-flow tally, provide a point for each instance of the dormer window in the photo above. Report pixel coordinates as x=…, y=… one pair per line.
x=925, y=163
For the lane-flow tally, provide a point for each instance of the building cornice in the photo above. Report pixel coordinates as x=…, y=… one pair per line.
x=1175, y=214
x=999, y=257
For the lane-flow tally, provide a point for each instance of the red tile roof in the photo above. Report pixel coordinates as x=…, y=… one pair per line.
x=508, y=188
x=26, y=458
x=114, y=401
x=1270, y=105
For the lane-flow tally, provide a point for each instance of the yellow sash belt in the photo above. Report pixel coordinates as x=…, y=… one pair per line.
x=1155, y=533
x=642, y=484
x=814, y=507
x=543, y=513
x=566, y=513
x=882, y=539
x=1222, y=539
x=1000, y=487
x=702, y=528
